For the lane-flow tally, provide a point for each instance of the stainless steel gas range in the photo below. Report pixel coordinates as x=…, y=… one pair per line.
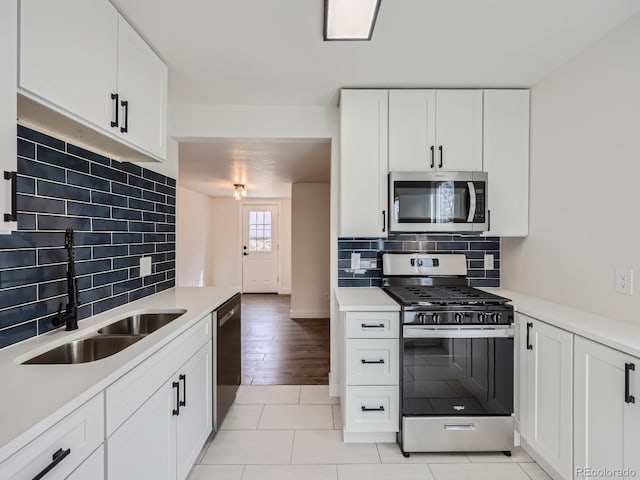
x=456, y=355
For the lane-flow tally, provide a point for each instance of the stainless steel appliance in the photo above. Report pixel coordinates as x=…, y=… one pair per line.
x=438, y=202
x=456, y=354
x=227, y=363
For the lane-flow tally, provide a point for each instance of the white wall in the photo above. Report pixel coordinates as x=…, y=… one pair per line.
x=193, y=261
x=585, y=169
x=310, y=250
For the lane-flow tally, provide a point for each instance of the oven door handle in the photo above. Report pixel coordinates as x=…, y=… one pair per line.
x=472, y=202
x=443, y=332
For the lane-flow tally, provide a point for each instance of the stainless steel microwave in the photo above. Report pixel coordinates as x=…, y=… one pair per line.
x=438, y=202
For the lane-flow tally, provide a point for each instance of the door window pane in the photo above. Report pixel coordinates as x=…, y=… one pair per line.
x=260, y=231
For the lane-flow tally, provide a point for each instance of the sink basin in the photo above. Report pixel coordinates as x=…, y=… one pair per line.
x=86, y=349
x=142, y=324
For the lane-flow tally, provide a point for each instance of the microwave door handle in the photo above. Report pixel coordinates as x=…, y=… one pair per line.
x=472, y=202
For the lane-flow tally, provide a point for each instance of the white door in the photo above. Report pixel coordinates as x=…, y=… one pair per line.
x=259, y=249
x=459, y=130
x=549, y=422
x=9, y=59
x=412, y=130
x=194, y=422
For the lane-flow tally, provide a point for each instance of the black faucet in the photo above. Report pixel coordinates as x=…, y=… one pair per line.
x=70, y=315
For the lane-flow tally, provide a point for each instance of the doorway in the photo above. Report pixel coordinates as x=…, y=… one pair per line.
x=260, y=235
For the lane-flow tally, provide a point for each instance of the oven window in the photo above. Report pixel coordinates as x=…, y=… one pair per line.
x=431, y=202
x=457, y=376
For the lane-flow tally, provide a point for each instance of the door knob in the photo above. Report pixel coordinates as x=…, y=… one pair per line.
x=245, y=254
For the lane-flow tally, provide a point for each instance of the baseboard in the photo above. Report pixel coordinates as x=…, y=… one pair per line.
x=334, y=387
x=309, y=313
x=284, y=291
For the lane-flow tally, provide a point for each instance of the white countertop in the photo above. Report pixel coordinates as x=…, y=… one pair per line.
x=615, y=334
x=34, y=397
x=363, y=299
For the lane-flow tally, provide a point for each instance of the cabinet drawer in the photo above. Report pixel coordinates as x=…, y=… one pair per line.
x=81, y=433
x=372, y=361
x=371, y=409
x=92, y=467
x=372, y=325
x=127, y=394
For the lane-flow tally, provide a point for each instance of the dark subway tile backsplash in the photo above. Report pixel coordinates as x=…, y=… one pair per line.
x=474, y=247
x=119, y=212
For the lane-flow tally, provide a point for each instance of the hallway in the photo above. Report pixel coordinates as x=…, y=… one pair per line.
x=278, y=350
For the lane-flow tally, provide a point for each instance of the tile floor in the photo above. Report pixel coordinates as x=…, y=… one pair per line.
x=293, y=432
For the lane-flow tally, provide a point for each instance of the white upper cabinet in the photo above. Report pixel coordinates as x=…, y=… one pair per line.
x=142, y=86
x=87, y=75
x=8, y=134
x=606, y=418
x=506, y=160
x=363, y=163
x=435, y=130
x=68, y=56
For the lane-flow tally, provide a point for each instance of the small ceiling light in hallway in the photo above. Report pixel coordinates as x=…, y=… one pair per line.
x=239, y=191
x=350, y=19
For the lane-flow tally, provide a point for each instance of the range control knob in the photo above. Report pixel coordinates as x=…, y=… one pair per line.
x=495, y=317
x=435, y=318
x=422, y=318
x=482, y=318
x=459, y=317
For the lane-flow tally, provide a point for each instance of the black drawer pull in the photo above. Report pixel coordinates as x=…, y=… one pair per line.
x=114, y=97
x=125, y=105
x=371, y=361
x=367, y=325
x=433, y=156
x=183, y=379
x=176, y=411
x=367, y=409
x=13, y=216
x=55, y=460
x=441, y=156
x=628, y=367
x=529, y=327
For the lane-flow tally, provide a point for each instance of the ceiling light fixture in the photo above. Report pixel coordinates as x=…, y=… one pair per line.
x=350, y=19
x=239, y=191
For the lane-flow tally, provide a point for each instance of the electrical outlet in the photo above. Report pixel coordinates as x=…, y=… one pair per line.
x=624, y=280
x=488, y=262
x=145, y=266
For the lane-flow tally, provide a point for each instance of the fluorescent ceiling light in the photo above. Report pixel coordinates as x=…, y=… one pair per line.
x=350, y=19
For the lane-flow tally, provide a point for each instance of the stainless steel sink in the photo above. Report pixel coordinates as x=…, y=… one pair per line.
x=86, y=349
x=142, y=324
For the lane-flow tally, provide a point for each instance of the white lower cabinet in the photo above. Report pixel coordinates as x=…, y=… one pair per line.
x=92, y=468
x=606, y=412
x=162, y=439
x=546, y=393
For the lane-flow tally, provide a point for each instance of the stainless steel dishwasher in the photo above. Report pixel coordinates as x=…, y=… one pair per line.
x=227, y=360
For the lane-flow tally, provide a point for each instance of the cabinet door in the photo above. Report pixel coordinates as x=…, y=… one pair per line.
x=142, y=85
x=8, y=134
x=605, y=425
x=506, y=160
x=412, y=130
x=549, y=406
x=459, y=130
x=68, y=56
x=144, y=447
x=195, y=420
x=363, y=163
x=92, y=468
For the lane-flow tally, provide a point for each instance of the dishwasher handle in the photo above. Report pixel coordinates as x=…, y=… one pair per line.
x=227, y=317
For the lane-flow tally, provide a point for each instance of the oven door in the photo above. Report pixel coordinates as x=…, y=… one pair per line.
x=437, y=202
x=457, y=371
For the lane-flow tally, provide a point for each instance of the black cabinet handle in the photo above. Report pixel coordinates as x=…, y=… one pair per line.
x=176, y=411
x=441, y=156
x=529, y=327
x=114, y=97
x=627, y=368
x=366, y=362
x=13, y=178
x=125, y=105
x=489, y=220
x=367, y=325
x=367, y=409
x=384, y=220
x=433, y=156
x=55, y=460
x=183, y=379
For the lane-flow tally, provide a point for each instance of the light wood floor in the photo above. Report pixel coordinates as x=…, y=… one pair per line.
x=278, y=350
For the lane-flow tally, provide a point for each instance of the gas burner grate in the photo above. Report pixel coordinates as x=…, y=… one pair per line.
x=408, y=295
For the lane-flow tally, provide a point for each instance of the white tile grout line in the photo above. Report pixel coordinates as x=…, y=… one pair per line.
x=431, y=471
x=293, y=444
x=525, y=472
x=259, y=418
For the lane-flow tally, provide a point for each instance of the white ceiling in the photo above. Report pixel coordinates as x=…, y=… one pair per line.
x=267, y=168
x=271, y=51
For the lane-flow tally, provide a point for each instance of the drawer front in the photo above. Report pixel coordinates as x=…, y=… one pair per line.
x=372, y=361
x=81, y=432
x=127, y=394
x=372, y=324
x=92, y=468
x=372, y=409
